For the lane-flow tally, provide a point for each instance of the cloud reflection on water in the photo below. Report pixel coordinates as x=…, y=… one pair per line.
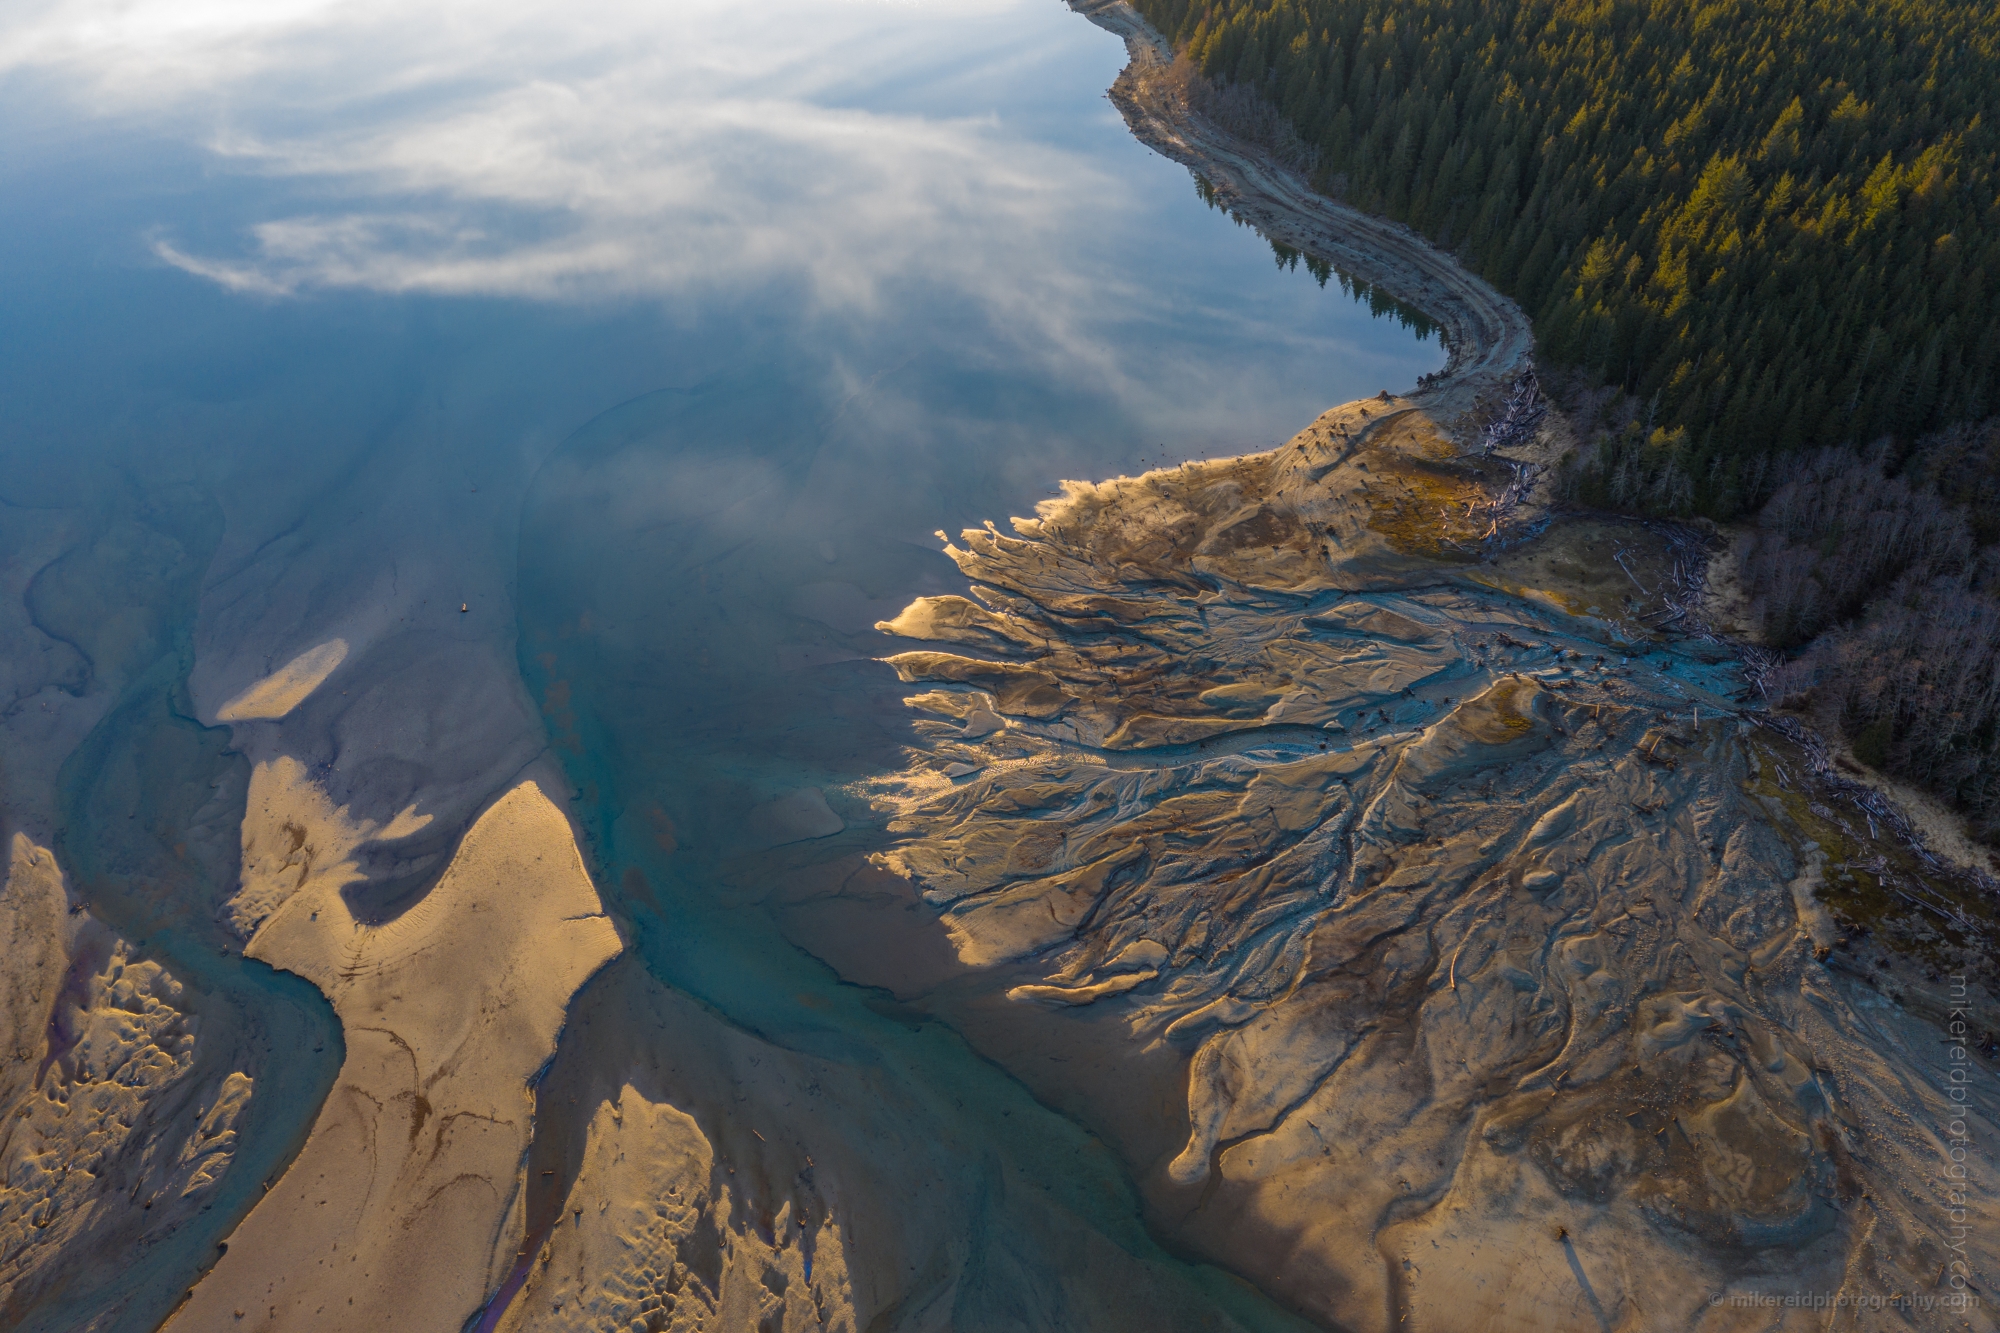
x=883, y=180
x=516, y=150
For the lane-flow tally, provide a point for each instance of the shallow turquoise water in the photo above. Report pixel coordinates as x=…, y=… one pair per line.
x=143, y=804
x=682, y=330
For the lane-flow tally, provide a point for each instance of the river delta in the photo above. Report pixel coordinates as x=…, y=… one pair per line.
x=810, y=693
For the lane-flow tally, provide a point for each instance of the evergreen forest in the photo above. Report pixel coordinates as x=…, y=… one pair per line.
x=1774, y=224
x=1761, y=240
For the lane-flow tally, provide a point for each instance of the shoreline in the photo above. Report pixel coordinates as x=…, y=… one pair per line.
x=1487, y=336
x=1466, y=912
x=1488, y=339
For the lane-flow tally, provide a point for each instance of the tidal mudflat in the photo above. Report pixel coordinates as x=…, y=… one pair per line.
x=564, y=849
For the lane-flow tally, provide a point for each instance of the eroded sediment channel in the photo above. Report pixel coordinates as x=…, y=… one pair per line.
x=1440, y=947
x=1300, y=857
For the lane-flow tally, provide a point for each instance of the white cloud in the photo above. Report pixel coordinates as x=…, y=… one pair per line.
x=550, y=151
x=833, y=158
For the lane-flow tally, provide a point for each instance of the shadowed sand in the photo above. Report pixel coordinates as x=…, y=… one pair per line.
x=648, y=1201
x=296, y=841
x=1481, y=935
x=396, y=1213
x=111, y=1139
x=1423, y=959
x=1435, y=945
x=286, y=688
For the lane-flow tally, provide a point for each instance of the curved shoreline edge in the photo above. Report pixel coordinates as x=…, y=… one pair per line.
x=1487, y=336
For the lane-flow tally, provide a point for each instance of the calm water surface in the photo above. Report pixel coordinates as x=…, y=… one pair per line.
x=677, y=330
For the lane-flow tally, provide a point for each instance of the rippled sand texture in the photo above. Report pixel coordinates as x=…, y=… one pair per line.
x=1490, y=971
x=402, y=1211
x=696, y=1174
x=295, y=840
x=652, y=1240
x=109, y=1141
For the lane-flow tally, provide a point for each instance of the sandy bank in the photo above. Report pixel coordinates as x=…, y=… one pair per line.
x=397, y=1212
x=655, y=1236
x=112, y=1139
x=1479, y=930
x=286, y=688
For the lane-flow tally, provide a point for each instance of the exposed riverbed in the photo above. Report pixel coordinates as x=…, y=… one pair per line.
x=1278, y=855
x=293, y=387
